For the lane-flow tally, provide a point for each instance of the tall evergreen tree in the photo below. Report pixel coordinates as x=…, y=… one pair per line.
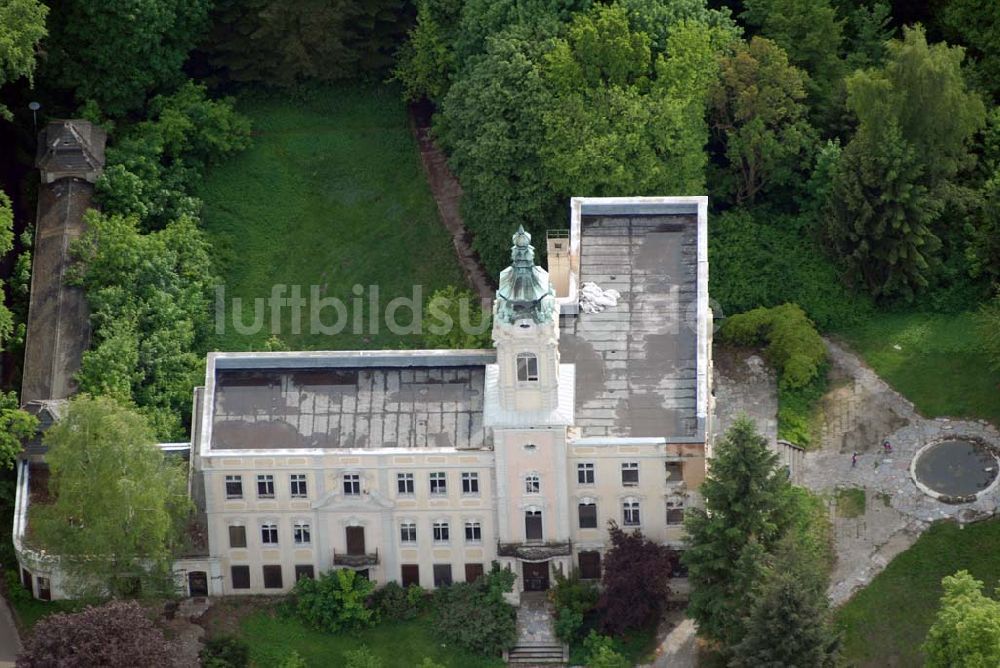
x=788, y=623
x=880, y=215
x=745, y=513
x=916, y=117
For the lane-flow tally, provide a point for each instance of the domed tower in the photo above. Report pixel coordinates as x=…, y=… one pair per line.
x=526, y=332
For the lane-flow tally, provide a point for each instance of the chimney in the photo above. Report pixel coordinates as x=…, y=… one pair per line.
x=557, y=249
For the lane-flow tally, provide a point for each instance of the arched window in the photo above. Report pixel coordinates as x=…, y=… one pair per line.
x=532, y=484
x=527, y=367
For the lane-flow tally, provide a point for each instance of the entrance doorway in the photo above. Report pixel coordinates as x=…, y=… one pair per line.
x=536, y=576
x=355, y=540
x=197, y=583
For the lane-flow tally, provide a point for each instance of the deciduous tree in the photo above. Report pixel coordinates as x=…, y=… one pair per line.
x=22, y=25
x=491, y=123
x=116, y=52
x=291, y=42
x=966, y=631
x=119, y=505
x=809, y=31
x=920, y=90
x=758, y=110
x=118, y=634
x=149, y=297
x=745, y=513
x=636, y=581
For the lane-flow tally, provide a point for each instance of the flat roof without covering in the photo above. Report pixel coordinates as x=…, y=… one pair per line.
x=262, y=407
x=637, y=362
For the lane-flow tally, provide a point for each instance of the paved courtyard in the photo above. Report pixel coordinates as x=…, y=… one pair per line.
x=859, y=412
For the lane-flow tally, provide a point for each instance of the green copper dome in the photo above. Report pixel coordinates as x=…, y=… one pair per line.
x=524, y=290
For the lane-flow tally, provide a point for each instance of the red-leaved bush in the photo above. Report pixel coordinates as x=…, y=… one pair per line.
x=635, y=583
x=114, y=635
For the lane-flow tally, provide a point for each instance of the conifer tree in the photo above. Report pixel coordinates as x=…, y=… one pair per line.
x=789, y=620
x=746, y=502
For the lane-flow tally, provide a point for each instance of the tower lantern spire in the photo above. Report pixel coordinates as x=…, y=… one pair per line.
x=525, y=291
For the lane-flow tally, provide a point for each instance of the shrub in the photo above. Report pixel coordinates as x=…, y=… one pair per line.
x=293, y=660
x=394, y=602
x=225, y=652
x=361, y=657
x=601, y=652
x=335, y=601
x=794, y=347
x=573, y=598
x=16, y=592
x=116, y=635
x=453, y=319
x=475, y=615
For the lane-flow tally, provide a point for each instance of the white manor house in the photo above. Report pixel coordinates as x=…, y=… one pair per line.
x=426, y=466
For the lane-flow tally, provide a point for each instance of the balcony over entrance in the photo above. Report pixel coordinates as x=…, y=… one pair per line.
x=535, y=551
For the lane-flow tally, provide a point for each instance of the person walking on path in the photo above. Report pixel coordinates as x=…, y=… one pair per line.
x=887, y=447
x=854, y=460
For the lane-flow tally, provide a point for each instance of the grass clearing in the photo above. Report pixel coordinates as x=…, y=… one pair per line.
x=398, y=644
x=885, y=623
x=934, y=360
x=332, y=195
x=850, y=502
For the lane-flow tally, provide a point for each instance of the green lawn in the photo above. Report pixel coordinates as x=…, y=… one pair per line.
x=937, y=365
x=885, y=623
x=331, y=194
x=398, y=644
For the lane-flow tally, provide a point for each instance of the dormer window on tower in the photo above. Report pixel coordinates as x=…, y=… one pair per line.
x=527, y=367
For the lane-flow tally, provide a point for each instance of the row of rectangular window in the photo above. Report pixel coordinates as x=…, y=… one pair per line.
x=405, y=485
x=297, y=485
x=585, y=473
x=301, y=534
x=351, y=484
x=273, y=579
x=441, y=532
x=631, y=514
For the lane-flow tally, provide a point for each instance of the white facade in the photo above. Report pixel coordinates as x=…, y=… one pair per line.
x=426, y=466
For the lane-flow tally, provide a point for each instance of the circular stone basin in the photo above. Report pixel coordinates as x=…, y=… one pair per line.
x=955, y=470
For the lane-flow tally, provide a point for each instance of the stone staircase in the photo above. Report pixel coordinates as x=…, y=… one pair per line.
x=538, y=654
x=537, y=644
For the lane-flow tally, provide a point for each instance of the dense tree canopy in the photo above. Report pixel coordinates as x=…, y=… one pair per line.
x=116, y=52
x=916, y=117
x=22, y=25
x=289, y=42
x=119, y=506
x=809, y=31
x=149, y=297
